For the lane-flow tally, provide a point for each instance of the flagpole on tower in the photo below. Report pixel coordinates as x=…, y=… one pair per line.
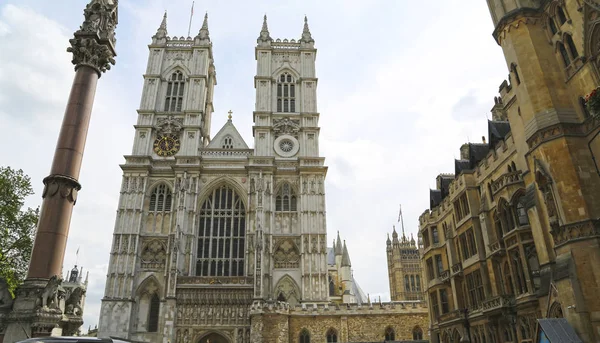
x=401, y=219
x=191, y=15
x=77, y=255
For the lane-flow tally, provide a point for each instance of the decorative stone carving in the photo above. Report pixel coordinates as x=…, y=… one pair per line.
x=73, y=303
x=286, y=255
x=286, y=126
x=50, y=294
x=94, y=42
x=169, y=125
x=154, y=255
x=67, y=187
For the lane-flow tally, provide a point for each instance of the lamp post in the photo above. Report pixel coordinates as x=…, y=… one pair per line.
x=467, y=324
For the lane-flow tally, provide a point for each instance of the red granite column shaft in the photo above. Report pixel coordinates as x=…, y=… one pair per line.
x=61, y=186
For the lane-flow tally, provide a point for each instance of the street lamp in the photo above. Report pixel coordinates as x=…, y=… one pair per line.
x=467, y=325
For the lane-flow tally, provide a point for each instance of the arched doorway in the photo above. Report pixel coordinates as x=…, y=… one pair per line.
x=214, y=338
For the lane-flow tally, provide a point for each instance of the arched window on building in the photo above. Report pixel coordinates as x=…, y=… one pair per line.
x=160, y=199
x=153, y=313
x=552, y=26
x=560, y=13
x=413, y=287
x=517, y=265
x=521, y=212
x=417, y=333
x=221, y=234
x=406, y=283
x=304, y=336
x=332, y=336
x=418, y=283
x=175, y=89
x=331, y=286
x=564, y=54
x=390, y=334
x=227, y=142
x=498, y=226
x=571, y=45
x=434, y=235
x=286, y=199
x=286, y=93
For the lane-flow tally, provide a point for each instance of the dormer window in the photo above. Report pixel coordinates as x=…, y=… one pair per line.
x=286, y=93
x=175, y=88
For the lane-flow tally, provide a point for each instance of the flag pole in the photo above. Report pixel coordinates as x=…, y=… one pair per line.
x=191, y=15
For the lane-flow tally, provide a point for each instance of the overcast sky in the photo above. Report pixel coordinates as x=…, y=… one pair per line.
x=402, y=84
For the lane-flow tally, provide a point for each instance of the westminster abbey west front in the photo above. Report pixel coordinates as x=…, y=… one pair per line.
x=218, y=242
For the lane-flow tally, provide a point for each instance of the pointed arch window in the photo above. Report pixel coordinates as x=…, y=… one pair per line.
x=221, y=235
x=160, y=199
x=175, y=89
x=417, y=333
x=571, y=46
x=564, y=54
x=331, y=286
x=522, y=218
x=286, y=93
x=304, y=336
x=390, y=334
x=286, y=200
x=418, y=283
x=227, y=142
x=406, y=283
x=552, y=26
x=332, y=336
x=153, y=313
x=562, y=18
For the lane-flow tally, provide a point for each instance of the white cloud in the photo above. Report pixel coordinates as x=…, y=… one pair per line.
x=401, y=86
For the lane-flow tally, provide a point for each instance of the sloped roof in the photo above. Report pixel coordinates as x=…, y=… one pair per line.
x=497, y=130
x=228, y=130
x=558, y=330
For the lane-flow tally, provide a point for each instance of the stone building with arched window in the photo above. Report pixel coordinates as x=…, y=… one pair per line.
x=216, y=241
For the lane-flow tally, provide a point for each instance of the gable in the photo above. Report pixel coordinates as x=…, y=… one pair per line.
x=227, y=138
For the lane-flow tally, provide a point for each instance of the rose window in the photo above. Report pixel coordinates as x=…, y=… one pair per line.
x=286, y=145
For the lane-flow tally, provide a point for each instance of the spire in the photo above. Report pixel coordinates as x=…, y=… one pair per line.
x=306, y=36
x=388, y=242
x=162, y=29
x=203, y=34
x=412, y=240
x=395, y=235
x=264, y=38
x=345, y=257
x=338, y=245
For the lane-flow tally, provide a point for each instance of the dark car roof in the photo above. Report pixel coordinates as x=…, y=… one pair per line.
x=71, y=339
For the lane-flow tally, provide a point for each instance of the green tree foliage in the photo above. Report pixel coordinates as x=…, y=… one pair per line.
x=17, y=226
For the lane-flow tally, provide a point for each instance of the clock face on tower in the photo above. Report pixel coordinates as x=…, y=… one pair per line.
x=166, y=145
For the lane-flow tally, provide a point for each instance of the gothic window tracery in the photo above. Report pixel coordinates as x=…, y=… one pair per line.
x=286, y=199
x=221, y=236
x=175, y=89
x=390, y=334
x=304, y=336
x=332, y=336
x=160, y=199
x=286, y=93
x=287, y=255
x=227, y=142
x=417, y=333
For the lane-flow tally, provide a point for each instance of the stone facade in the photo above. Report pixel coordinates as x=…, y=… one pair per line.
x=405, y=271
x=512, y=236
x=215, y=241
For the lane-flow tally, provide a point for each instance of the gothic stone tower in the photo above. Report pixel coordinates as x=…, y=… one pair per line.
x=405, y=272
x=205, y=227
x=551, y=49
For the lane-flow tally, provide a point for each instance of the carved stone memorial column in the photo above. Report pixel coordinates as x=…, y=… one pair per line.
x=39, y=306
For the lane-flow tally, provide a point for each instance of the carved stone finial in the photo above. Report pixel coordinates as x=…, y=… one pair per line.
x=264, y=38
x=94, y=42
x=229, y=116
x=203, y=35
x=306, y=39
x=162, y=29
